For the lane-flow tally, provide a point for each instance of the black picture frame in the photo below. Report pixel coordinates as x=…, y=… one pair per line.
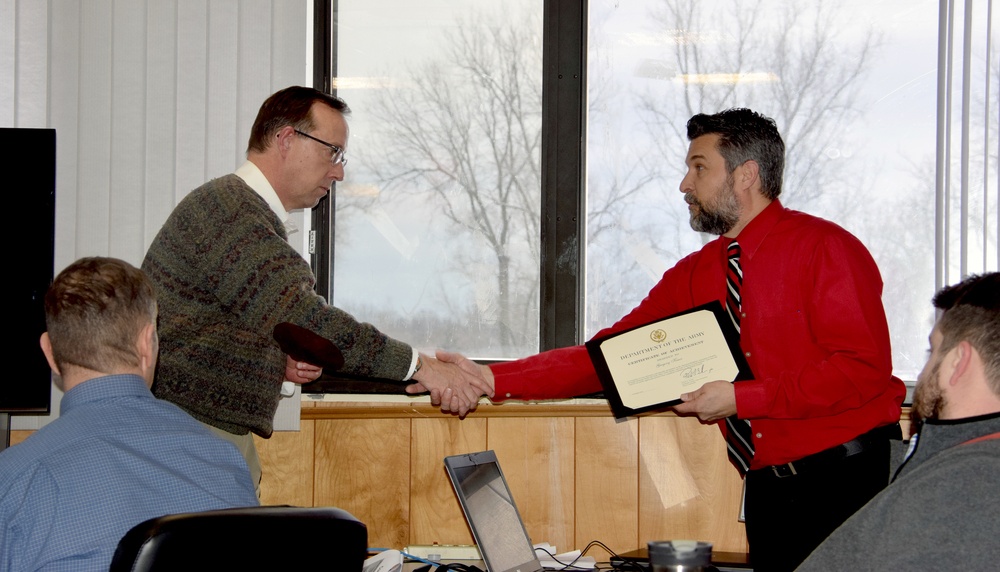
x=611, y=392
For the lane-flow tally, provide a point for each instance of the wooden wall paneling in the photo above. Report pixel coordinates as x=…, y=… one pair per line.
x=287, y=466
x=607, y=483
x=362, y=466
x=906, y=424
x=536, y=455
x=687, y=487
x=19, y=435
x=435, y=515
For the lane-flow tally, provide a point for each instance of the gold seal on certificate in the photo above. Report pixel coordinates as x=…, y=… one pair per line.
x=650, y=366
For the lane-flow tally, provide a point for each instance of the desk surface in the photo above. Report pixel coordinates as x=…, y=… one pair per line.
x=411, y=566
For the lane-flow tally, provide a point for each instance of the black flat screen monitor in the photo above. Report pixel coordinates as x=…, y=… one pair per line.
x=29, y=155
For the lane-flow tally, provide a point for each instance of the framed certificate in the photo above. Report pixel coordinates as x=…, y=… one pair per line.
x=649, y=366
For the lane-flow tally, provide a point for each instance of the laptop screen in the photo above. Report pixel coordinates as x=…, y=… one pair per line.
x=490, y=511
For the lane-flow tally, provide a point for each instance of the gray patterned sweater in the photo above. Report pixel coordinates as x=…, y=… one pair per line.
x=225, y=275
x=940, y=512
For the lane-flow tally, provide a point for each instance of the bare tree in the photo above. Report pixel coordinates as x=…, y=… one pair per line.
x=465, y=135
x=791, y=61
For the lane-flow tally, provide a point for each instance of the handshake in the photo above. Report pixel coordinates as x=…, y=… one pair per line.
x=454, y=381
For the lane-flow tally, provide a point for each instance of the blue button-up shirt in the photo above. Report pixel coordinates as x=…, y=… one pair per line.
x=115, y=457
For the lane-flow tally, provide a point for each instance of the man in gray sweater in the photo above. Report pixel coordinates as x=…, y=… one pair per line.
x=942, y=509
x=225, y=276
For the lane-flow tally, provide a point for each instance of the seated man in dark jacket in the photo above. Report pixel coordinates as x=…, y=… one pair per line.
x=942, y=509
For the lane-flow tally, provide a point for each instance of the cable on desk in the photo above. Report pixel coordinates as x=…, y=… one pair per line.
x=626, y=566
x=566, y=565
x=436, y=566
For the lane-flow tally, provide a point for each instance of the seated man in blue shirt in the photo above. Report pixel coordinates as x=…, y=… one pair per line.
x=116, y=456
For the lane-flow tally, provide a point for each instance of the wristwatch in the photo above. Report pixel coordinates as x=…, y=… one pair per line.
x=417, y=367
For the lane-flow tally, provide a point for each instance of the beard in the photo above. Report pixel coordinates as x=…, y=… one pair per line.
x=928, y=400
x=720, y=216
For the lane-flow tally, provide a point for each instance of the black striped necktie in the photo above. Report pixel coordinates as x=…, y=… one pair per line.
x=738, y=439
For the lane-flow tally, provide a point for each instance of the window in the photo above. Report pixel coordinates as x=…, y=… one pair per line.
x=447, y=226
x=437, y=223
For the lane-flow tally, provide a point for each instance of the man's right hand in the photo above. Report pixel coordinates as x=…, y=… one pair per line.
x=301, y=372
x=470, y=367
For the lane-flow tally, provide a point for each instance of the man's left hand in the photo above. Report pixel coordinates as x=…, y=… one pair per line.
x=711, y=402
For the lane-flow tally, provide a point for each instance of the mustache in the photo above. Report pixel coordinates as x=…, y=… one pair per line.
x=691, y=200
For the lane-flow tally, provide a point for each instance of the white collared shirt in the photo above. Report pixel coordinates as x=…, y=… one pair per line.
x=256, y=180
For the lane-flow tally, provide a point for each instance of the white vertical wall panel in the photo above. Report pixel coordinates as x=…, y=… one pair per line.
x=33, y=74
x=290, y=36
x=64, y=63
x=149, y=99
x=129, y=64
x=255, y=46
x=223, y=67
x=160, y=120
x=192, y=95
x=8, y=52
x=94, y=112
x=22, y=65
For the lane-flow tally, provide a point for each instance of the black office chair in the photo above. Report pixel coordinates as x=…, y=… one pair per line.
x=252, y=538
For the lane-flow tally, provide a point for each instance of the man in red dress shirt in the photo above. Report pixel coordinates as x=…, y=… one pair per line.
x=823, y=403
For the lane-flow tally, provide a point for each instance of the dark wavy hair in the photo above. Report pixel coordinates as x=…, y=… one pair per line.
x=745, y=135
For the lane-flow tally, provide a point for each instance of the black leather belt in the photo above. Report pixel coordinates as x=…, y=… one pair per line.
x=832, y=455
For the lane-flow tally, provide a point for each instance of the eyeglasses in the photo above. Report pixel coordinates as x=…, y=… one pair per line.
x=337, y=154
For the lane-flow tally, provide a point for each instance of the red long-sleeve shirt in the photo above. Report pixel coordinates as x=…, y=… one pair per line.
x=814, y=334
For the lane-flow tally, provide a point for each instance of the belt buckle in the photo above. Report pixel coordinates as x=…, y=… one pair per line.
x=786, y=470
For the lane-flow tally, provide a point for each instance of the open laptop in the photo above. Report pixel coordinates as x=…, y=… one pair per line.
x=490, y=511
